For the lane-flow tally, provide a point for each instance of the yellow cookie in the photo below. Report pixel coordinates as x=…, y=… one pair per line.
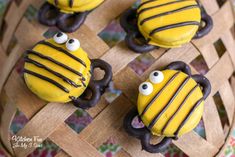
x=166, y=108
x=168, y=23
x=170, y=103
x=164, y=23
x=55, y=71
x=71, y=6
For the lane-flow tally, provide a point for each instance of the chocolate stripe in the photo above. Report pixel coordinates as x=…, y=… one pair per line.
x=181, y=105
x=174, y=26
x=31, y=61
x=70, y=3
x=159, y=93
x=158, y=6
x=188, y=116
x=142, y=4
x=56, y=2
x=47, y=79
x=32, y=52
x=168, y=13
x=82, y=81
x=63, y=51
x=156, y=118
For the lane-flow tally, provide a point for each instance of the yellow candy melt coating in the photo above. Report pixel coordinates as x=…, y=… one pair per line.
x=164, y=98
x=48, y=91
x=173, y=37
x=78, y=5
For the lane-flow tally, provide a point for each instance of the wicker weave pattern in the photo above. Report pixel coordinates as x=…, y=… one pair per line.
x=47, y=121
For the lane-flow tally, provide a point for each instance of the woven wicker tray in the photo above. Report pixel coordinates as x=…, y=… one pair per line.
x=47, y=120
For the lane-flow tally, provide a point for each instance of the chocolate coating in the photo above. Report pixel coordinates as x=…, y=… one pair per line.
x=204, y=83
x=128, y=20
x=178, y=65
x=138, y=47
x=43, y=16
x=154, y=148
x=129, y=24
x=77, y=20
x=96, y=87
x=143, y=134
x=208, y=25
x=127, y=124
x=60, y=19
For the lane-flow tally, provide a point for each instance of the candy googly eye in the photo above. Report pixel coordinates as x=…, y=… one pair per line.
x=73, y=44
x=156, y=77
x=146, y=88
x=60, y=38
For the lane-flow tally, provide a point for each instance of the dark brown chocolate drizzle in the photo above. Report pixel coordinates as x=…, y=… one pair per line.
x=181, y=105
x=95, y=88
x=32, y=52
x=158, y=6
x=174, y=26
x=46, y=79
x=146, y=3
x=63, y=51
x=159, y=93
x=82, y=81
x=156, y=118
x=188, y=116
x=64, y=78
x=168, y=13
x=56, y=2
x=70, y=3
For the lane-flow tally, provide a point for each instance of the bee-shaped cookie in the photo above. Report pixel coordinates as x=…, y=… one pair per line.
x=59, y=70
x=164, y=23
x=67, y=15
x=170, y=104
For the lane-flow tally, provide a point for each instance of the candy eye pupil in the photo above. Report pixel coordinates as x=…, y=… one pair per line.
x=145, y=86
x=156, y=77
x=156, y=74
x=71, y=41
x=73, y=44
x=59, y=34
x=60, y=38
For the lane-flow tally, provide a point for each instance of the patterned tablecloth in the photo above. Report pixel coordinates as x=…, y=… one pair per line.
x=80, y=119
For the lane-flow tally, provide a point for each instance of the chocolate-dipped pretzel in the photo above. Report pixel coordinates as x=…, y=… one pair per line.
x=170, y=104
x=164, y=23
x=59, y=70
x=67, y=15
